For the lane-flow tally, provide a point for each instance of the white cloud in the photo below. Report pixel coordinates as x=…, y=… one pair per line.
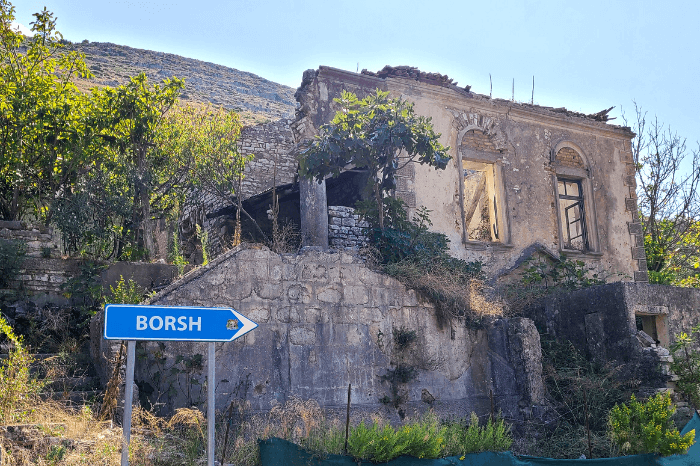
x=21, y=28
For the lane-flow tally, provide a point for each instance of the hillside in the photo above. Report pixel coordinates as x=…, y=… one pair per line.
x=255, y=97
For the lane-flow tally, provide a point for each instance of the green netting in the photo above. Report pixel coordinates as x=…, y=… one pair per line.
x=278, y=452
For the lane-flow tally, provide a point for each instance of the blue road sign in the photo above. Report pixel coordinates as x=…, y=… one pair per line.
x=135, y=322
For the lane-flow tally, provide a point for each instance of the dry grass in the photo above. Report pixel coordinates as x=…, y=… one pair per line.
x=454, y=294
x=52, y=434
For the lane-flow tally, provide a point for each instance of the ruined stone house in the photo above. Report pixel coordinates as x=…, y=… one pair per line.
x=522, y=177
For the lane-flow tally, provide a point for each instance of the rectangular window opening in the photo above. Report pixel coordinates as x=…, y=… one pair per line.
x=571, y=214
x=481, y=203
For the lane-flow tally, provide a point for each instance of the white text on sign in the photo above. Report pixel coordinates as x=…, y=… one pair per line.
x=179, y=324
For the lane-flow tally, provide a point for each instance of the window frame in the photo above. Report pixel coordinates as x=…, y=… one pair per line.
x=500, y=213
x=582, y=177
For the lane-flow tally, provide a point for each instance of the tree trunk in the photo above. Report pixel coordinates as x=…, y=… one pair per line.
x=380, y=205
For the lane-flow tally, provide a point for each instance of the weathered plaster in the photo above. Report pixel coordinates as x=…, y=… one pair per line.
x=527, y=138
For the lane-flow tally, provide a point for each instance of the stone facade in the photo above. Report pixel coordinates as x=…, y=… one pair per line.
x=326, y=320
x=503, y=191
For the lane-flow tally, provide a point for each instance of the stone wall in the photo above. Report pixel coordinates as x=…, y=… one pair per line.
x=270, y=143
x=601, y=320
x=325, y=321
x=39, y=240
x=43, y=278
x=346, y=229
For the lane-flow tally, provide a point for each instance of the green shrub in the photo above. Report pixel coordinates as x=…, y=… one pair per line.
x=420, y=259
x=646, y=427
x=11, y=258
x=424, y=438
x=543, y=276
x=176, y=256
x=462, y=439
x=686, y=365
x=127, y=292
x=203, y=237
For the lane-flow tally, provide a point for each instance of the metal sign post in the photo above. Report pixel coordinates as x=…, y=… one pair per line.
x=162, y=323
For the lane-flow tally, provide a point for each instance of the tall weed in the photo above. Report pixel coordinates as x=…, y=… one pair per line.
x=18, y=389
x=462, y=438
x=424, y=438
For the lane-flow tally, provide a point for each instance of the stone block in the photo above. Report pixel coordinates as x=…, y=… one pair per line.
x=287, y=314
x=259, y=314
x=634, y=228
x=305, y=336
x=314, y=272
x=330, y=295
x=269, y=290
x=638, y=253
x=641, y=276
x=355, y=295
x=299, y=293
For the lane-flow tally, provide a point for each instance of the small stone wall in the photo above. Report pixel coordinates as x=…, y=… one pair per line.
x=39, y=240
x=345, y=228
x=43, y=278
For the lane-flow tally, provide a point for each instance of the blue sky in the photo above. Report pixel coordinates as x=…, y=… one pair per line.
x=585, y=56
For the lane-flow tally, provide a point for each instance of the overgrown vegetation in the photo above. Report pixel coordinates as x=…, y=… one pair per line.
x=668, y=196
x=18, y=389
x=581, y=394
x=126, y=292
x=419, y=258
x=542, y=276
x=12, y=255
x=686, y=364
x=646, y=427
x=175, y=255
x=462, y=437
x=104, y=166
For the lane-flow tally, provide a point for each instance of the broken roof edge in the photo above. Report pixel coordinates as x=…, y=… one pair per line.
x=560, y=113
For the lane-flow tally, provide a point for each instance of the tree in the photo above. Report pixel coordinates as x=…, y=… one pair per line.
x=207, y=139
x=42, y=132
x=131, y=118
x=378, y=134
x=669, y=200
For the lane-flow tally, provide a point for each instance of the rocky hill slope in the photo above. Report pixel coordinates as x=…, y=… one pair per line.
x=255, y=97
